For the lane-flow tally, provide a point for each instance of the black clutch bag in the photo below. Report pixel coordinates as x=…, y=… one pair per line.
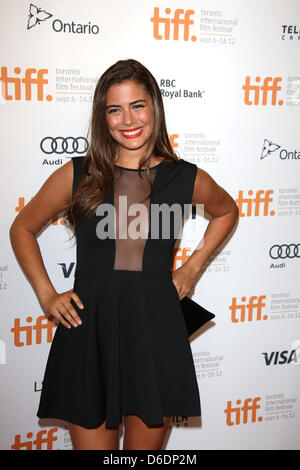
x=194, y=314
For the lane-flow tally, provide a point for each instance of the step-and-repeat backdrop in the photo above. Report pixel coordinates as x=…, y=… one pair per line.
x=230, y=78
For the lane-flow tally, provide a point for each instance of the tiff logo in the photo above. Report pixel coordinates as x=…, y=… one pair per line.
x=261, y=92
x=181, y=20
x=253, y=307
x=42, y=437
x=180, y=420
x=180, y=254
x=262, y=199
x=42, y=323
x=12, y=85
x=234, y=415
x=173, y=140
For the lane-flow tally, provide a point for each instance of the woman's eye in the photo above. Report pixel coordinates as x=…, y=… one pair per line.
x=137, y=106
x=113, y=111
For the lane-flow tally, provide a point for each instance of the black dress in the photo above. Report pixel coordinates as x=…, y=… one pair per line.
x=132, y=354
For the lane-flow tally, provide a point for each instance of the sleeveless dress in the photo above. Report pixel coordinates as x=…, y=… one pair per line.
x=131, y=354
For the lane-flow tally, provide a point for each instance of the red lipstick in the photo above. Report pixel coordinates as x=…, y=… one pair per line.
x=131, y=133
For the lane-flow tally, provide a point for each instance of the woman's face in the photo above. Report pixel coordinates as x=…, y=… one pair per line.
x=129, y=114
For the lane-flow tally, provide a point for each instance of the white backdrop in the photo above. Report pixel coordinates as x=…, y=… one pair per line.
x=230, y=76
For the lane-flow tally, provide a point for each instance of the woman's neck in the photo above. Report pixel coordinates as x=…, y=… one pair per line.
x=131, y=159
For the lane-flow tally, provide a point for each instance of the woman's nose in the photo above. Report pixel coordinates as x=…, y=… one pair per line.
x=128, y=117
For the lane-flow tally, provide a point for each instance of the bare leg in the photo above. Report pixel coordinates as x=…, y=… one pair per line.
x=139, y=436
x=101, y=438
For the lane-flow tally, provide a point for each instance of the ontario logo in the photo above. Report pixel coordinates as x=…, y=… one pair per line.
x=270, y=147
x=38, y=15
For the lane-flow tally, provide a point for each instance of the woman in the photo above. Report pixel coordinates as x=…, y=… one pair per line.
x=121, y=348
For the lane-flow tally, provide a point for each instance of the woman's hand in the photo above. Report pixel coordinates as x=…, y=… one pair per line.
x=60, y=307
x=183, y=282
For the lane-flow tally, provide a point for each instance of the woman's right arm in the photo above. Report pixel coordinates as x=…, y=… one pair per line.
x=48, y=202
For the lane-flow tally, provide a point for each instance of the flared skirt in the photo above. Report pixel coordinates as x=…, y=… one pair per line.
x=131, y=355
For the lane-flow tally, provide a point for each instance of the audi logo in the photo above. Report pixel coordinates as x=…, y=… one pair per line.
x=61, y=145
x=285, y=251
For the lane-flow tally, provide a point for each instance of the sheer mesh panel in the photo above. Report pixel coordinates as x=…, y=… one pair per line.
x=128, y=182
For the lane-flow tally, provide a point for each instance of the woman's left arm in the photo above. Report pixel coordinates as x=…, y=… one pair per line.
x=224, y=213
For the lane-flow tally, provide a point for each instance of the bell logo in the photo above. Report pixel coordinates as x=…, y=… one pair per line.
x=262, y=200
x=12, y=86
x=181, y=18
x=260, y=93
x=254, y=306
x=42, y=323
x=233, y=415
x=44, y=440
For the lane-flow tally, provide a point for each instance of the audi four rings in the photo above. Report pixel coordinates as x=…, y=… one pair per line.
x=61, y=145
x=285, y=251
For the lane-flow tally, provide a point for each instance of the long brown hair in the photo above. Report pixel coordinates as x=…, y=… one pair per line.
x=98, y=164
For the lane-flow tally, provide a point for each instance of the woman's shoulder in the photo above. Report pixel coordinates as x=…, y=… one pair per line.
x=77, y=162
x=181, y=163
x=77, y=171
x=187, y=164
x=181, y=167
x=177, y=181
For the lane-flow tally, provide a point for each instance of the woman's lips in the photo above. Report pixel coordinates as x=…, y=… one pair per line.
x=132, y=133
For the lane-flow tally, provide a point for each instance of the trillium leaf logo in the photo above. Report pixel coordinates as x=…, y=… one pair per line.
x=268, y=148
x=36, y=15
